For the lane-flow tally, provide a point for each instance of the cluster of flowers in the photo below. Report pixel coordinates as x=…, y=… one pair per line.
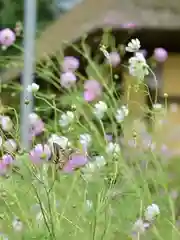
x=141, y=225
x=8, y=145
x=138, y=67
x=92, y=93
x=41, y=153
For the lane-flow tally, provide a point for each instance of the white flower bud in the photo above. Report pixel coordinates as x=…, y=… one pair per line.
x=6, y=123
x=152, y=211
x=10, y=145
x=33, y=88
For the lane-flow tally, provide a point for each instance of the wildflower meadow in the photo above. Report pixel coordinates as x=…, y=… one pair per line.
x=83, y=177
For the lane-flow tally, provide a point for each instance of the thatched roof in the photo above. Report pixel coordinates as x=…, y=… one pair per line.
x=89, y=15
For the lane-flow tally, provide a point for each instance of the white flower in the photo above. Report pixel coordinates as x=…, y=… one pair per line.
x=17, y=225
x=138, y=66
x=157, y=106
x=89, y=204
x=10, y=145
x=133, y=46
x=33, y=88
x=6, y=123
x=99, y=109
x=113, y=149
x=126, y=110
x=85, y=139
x=140, y=226
x=88, y=171
x=121, y=114
x=62, y=141
x=33, y=117
x=90, y=167
x=99, y=161
x=66, y=119
x=152, y=211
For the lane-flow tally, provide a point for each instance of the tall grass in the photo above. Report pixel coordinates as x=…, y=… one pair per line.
x=96, y=201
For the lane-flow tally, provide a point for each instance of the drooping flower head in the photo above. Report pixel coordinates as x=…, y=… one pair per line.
x=40, y=153
x=70, y=64
x=7, y=37
x=93, y=90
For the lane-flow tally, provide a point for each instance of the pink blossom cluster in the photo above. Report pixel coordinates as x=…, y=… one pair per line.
x=7, y=37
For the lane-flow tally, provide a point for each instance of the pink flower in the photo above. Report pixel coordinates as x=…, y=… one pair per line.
x=7, y=159
x=70, y=64
x=67, y=79
x=5, y=163
x=160, y=54
x=114, y=59
x=76, y=161
x=7, y=37
x=93, y=90
x=40, y=153
x=36, y=128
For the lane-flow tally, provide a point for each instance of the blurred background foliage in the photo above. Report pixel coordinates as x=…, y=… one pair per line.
x=12, y=11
